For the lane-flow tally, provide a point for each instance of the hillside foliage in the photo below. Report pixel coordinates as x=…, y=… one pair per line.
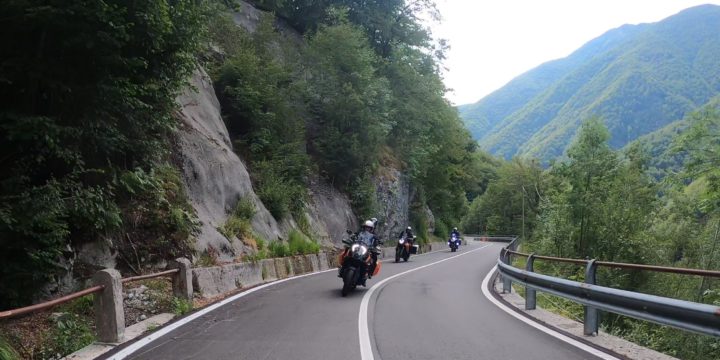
x=607, y=204
x=362, y=82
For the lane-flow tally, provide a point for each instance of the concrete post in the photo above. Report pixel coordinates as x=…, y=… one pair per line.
x=109, y=314
x=182, y=280
x=530, y=293
x=591, y=313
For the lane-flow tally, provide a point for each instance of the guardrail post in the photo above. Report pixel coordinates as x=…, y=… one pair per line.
x=182, y=280
x=507, y=283
x=109, y=314
x=530, y=293
x=591, y=313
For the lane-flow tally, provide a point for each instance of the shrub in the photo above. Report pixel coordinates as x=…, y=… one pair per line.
x=245, y=208
x=71, y=333
x=181, y=306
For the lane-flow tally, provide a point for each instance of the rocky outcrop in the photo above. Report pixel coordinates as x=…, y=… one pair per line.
x=393, y=201
x=215, y=178
x=329, y=213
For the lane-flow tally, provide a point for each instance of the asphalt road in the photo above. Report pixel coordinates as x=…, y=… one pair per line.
x=436, y=312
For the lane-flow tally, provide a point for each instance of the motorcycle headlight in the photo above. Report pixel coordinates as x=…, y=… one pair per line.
x=362, y=250
x=401, y=241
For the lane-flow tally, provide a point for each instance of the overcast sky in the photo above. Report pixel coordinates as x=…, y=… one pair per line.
x=492, y=41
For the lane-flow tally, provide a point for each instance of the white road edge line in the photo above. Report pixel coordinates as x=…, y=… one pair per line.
x=551, y=332
x=366, y=352
x=137, y=345
x=122, y=354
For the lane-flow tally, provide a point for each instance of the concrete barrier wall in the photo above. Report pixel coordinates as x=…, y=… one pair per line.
x=216, y=280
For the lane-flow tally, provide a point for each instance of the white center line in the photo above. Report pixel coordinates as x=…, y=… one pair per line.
x=366, y=352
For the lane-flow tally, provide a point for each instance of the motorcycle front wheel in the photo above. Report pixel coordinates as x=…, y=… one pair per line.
x=348, y=281
x=397, y=255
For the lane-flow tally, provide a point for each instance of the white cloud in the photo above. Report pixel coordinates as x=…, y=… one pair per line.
x=494, y=41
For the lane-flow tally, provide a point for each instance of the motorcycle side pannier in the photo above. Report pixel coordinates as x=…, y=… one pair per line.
x=414, y=249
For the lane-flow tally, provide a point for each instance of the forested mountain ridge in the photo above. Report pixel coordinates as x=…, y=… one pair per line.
x=485, y=116
x=639, y=83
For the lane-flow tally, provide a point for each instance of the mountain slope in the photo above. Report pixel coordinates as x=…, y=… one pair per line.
x=645, y=77
x=484, y=116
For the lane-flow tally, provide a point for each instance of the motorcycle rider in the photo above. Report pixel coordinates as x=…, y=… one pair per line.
x=408, y=234
x=455, y=232
x=367, y=235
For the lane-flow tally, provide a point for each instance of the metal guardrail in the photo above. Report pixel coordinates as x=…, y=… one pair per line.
x=681, y=314
x=107, y=293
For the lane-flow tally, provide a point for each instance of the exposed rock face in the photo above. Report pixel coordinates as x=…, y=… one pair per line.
x=393, y=200
x=329, y=213
x=215, y=178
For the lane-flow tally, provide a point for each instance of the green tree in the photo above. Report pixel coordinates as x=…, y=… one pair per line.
x=348, y=100
x=87, y=93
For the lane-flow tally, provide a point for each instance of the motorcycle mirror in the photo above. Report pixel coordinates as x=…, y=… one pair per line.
x=349, y=232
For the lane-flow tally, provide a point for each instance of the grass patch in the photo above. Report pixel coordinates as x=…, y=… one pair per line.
x=278, y=249
x=208, y=258
x=300, y=244
x=7, y=352
x=81, y=306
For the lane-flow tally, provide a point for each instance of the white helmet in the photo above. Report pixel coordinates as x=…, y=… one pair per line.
x=369, y=224
x=409, y=228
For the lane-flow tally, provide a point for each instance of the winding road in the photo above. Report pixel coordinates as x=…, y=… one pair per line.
x=432, y=307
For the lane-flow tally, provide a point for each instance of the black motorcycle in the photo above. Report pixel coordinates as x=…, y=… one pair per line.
x=454, y=243
x=404, y=248
x=355, y=261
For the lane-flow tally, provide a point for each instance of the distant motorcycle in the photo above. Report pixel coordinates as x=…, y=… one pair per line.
x=404, y=248
x=354, y=263
x=454, y=243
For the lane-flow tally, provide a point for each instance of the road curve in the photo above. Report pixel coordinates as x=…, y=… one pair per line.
x=435, y=312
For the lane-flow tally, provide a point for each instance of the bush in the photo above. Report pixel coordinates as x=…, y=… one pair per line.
x=245, y=208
